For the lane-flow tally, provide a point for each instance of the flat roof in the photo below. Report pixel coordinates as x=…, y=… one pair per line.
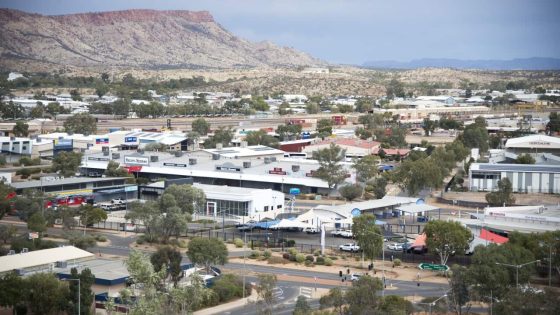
x=62, y=181
x=534, y=141
x=414, y=208
x=42, y=257
x=540, y=168
x=106, y=272
x=220, y=191
x=253, y=150
x=387, y=201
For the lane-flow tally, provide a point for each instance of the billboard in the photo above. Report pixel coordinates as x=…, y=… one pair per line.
x=137, y=160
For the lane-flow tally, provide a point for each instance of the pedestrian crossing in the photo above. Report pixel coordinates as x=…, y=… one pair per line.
x=306, y=291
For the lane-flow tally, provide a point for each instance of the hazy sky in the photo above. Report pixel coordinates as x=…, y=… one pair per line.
x=355, y=31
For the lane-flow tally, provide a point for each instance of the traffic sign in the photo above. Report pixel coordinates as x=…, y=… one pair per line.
x=433, y=267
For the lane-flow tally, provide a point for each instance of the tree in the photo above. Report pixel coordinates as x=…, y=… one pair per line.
x=414, y=176
x=503, y=196
x=121, y=107
x=45, y=294
x=350, y=191
x=518, y=302
x=90, y=215
x=7, y=232
x=289, y=132
x=335, y=299
x=167, y=257
x=207, y=251
x=284, y=109
x=149, y=214
x=459, y=294
x=75, y=95
x=261, y=137
x=142, y=273
x=67, y=163
x=21, y=129
x=395, y=305
x=81, y=123
x=364, y=105
x=371, y=121
x=377, y=187
x=113, y=170
x=302, y=307
x=11, y=110
x=394, y=89
x=368, y=235
x=54, y=108
x=554, y=123
x=330, y=169
x=38, y=111
x=366, y=168
x=476, y=135
x=201, y=126
x=101, y=89
x=525, y=159
x=14, y=291
x=87, y=279
x=6, y=193
x=312, y=108
x=37, y=223
x=187, y=197
x=446, y=238
x=428, y=126
x=324, y=127
x=362, y=298
x=30, y=202
x=265, y=290
x=363, y=133
x=222, y=135
x=189, y=298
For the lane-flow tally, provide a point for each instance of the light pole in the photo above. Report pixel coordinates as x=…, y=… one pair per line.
x=79, y=292
x=433, y=303
x=382, y=259
x=517, y=267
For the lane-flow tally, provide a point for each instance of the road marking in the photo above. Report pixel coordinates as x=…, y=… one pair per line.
x=306, y=291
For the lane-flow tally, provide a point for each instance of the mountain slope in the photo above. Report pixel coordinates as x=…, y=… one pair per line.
x=514, y=64
x=134, y=38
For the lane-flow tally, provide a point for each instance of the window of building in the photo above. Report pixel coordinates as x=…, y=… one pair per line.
x=265, y=208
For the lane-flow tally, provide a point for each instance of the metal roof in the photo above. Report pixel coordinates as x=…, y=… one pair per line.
x=42, y=257
x=516, y=168
x=62, y=181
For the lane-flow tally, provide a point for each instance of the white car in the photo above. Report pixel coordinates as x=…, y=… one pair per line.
x=349, y=247
x=355, y=277
x=395, y=246
x=311, y=230
x=347, y=234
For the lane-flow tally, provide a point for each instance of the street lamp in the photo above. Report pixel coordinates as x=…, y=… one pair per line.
x=517, y=267
x=433, y=303
x=79, y=293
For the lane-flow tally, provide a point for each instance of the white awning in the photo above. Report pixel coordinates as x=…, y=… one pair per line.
x=286, y=224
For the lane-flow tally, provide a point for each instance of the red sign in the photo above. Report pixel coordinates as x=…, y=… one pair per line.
x=310, y=174
x=275, y=172
x=133, y=168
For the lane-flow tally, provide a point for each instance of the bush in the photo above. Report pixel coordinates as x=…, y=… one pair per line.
x=100, y=238
x=286, y=256
x=255, y=254
x=292, y=251
x=228, y=286
x=276, y=260
x=238, y=242
x=292, y=257
x=320, y=260
x=300, y=258
x=397, y=262
x=308, y=263
x=316, y=252
x=333, y=257
x=328, y=262
x=267, y=254
x=178, y=243
x=22, y=242
x=310, y=258
x=291, y=243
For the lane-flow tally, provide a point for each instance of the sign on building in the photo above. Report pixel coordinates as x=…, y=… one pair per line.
x=137, y=160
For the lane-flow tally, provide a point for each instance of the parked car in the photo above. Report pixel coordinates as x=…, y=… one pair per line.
x=336, y=233
x=118, y=201
x=346, y=234
x=349, y=247
x=355, y=277
x=311, y=230
x=244, y=227
x=395, y=246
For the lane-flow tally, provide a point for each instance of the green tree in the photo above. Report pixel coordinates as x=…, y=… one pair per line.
x=289, y=132
x=284, y=109
x=37, y=223
x=503, y=196
x=21, y=129
x=553, y=123
x=87, y=279
x=45, y=294
x=525, y=159
x=121, y=107
x=67, y=163
x=7, y=232
x=459, y=295
x=517, y=302
x=446, y=238
x=364, y=105
x=207, y=252
x=187, y=197
x=377, y=187
x=312, y=108
x=265, y=290
x=81, y=123
x=261, y=137
x=367, y=235
x=476, y=135
x=11, y=110
x=54, y=108
x=14, y=291
x=362, y=298
x=75, y=95
x=6, y=193
x=38, y=111
x=363, y=133
x=113, y=170
x=169, y=258
x=395, y=88
x=428, y=126
x=30, y=202
x=371, y=121
x=324, y=127
x=101, y=89
x=415, y=176
x=302, y=307
x=201, y=126
x=395, y=305
x=142, y=273
x=335, y=299
x=189, y=298
x=330, y=169
x=149, y=215
x=366, y=168
x=350, y=191
x=91, y=215
x=222, y=135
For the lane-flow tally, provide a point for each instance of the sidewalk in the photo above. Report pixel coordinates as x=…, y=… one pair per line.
x=220, y=309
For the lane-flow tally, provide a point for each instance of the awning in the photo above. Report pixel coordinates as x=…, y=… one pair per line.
x=287, y=224
x=492, y=237
x=420, y=241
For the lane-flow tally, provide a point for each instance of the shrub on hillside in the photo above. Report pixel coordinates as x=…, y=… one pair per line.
x=300, y=258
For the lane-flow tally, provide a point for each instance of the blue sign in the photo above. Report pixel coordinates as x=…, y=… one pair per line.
x=294, y=191
x=130, y=139
x=355, y=212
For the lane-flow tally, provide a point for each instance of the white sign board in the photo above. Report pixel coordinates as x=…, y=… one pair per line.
x=137, y=160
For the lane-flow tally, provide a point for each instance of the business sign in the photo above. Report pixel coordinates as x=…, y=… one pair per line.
x=33, y=235
x=130, y=188
x=102, y=141
x=62, y=143
x=277, y=171
x=175, y=164
x=355, y=212
x=93, y=158
x=138, y=160
x=294, y=191
x=130, y=139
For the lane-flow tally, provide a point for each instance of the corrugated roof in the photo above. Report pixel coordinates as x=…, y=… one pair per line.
x=517, y=168
x=42, y=257
x=62, y=181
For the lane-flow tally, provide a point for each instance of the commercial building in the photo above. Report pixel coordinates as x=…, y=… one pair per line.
x=527, y=178
x=416, y=114
x=251, y=203
x=534, y=144
x=354, y=147
x=44, y=260
x=244, y=151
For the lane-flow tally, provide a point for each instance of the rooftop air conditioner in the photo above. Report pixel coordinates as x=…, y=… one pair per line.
x=215, y=156
x=154, y=158
x=273, y=159
x=295, y=168
x=246, y=164
x=24, y=250
x=106, y=153
x=267, y=160
x=116, y=156
x=192, y=161
x=179, y=154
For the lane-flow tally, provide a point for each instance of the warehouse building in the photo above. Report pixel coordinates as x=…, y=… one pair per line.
x=525, y=178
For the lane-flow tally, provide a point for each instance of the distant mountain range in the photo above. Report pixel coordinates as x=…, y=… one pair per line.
x=143, y=39
x=535, y=63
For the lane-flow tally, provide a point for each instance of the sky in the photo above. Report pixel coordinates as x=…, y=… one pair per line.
x=356, y=31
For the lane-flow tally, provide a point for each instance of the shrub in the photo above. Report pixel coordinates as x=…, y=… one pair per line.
x=320, y=260
x=255, y=254
x=238, y=242
x=276, y=260
x=308, y=263
x=292, y=257
x=328, y=262
x=397, y=262
x=317, y=252
x=300, y=258
x=229, y=286
x=286, y=256
x=267, y=254
x=292, y=251
x=290, y=243
x=310, y=258
x=333, y=257
x=140, y=240
x=100, y=238
x=178, y=243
